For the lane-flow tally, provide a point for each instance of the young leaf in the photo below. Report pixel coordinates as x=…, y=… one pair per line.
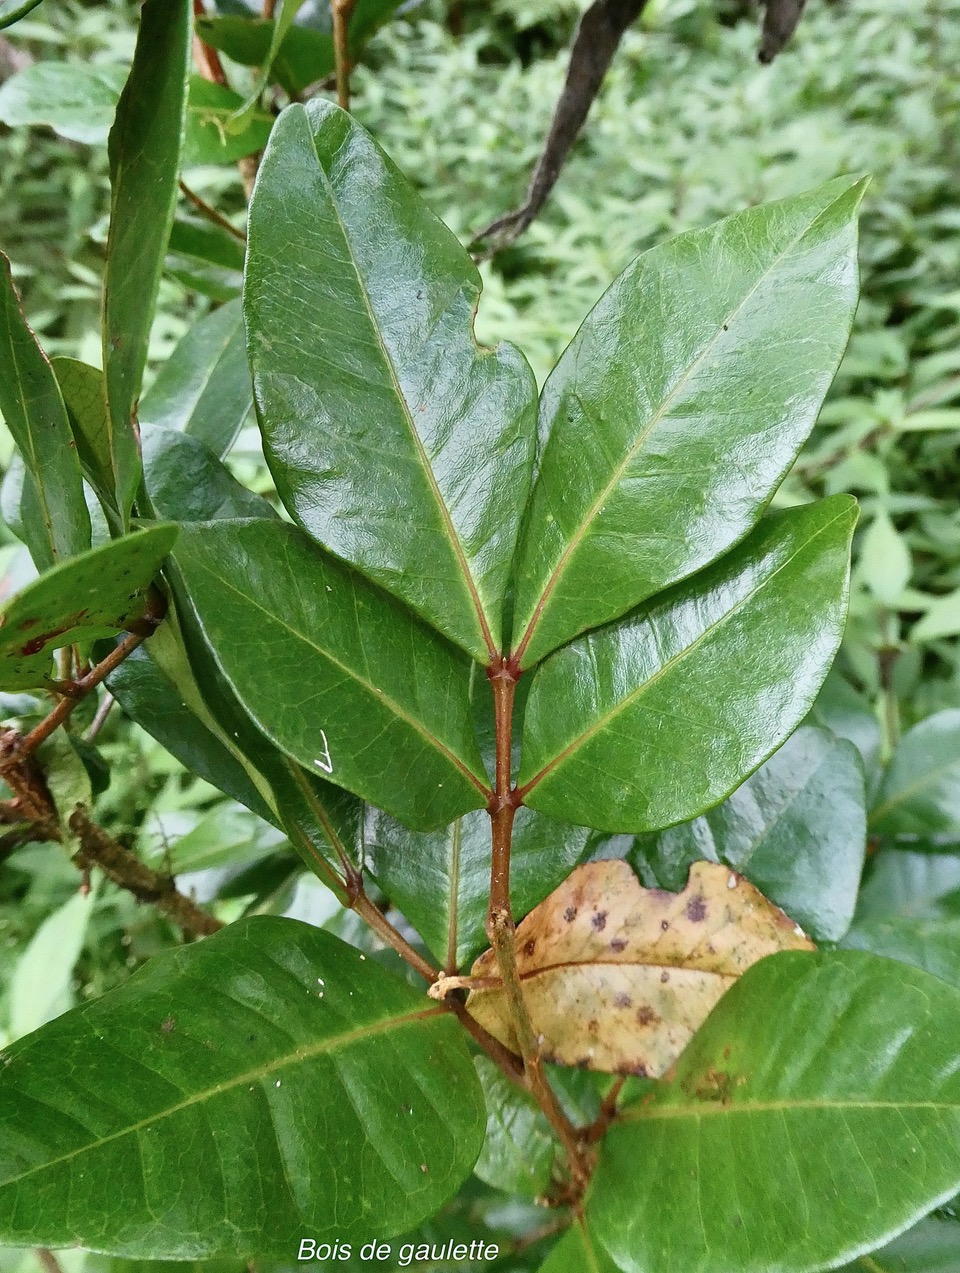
x=341, y=677
x=920, y=793
x=578, y=1252
x=838, y=1068
x=441, y=880
x=98, y=594
x=84, y=397
x=33, y=410
x=678, y=407
x=144, y=151
x=394, y=439
x=654, y=719
x=40, y=988
x=204, y=387
x=796, y=828
x=317, y=1095
x=885, y=563
x=618, y=978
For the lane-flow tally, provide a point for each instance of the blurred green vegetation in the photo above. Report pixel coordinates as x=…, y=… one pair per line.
x=688, y=128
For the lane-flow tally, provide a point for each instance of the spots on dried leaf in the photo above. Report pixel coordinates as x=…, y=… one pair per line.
x=696, y=911
x=530, y=946
x=664, y=976
x=619, y=945
x=664, y=925
x=646, y=1015
x=599, y=921
x=570, y=914
x=640, y=1071
x=622, y=1000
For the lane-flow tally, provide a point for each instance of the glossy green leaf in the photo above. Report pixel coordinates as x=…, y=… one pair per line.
x=578, y=1252
x=13, y=10
x=144, y=151
x=211, y=491
x=206, y=258
x=286, y=11
x=518, y=1149
x=341, y=677
x=441, y=880
x=680, y=404
x=204, y=386
x=266, y=1083
x=208, y=139
x=394, y=439
x=815, y=1115
x=98, y=594
x=920, y=793
x=77, y=101
x=796, y=829
x=932, y=1246
x=654, y=719
x=930, y=944
x=32, y=407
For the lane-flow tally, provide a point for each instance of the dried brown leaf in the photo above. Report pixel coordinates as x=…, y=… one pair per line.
x=617, y=977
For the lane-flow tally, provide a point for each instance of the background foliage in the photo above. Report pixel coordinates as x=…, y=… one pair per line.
x=688, y=128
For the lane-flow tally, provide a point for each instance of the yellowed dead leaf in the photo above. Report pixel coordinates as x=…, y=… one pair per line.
x=617, y=977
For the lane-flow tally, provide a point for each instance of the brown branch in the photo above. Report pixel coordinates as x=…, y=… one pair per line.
x=597, y=39
x=97, y=848
x=47, y=1260
x=211, y=213
x=780, y=18
x=269, y=9
x=205, y=56
x=341, y=10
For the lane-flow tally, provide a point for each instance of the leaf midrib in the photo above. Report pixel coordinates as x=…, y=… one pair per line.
x=603, y=721
x=297, y=1057
x=374, y=691
x=717, y=1108
x=421, y=454
x=657, y=417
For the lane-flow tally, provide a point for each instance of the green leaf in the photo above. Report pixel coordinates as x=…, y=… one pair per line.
x=341, y=677
x=920, y=793
x=679, y=406
x=372, y=355
x=441, y=881
x=13, y=10
x=98, y=594
x=840, y=708
x=885, y=565
x=303, y=57
x=77, y=101
x=211, y=492
x=796, y=829
x=814, y=1116
x=654, y=719
x=941, y=620
x=930, y=944
x=204, y=386
x=266, y=1083
x=84, y=397
x=904, y=884
x=41, y=987
x=286, y=12
x=34, y=413
x=518, y=1150
x=206, y=258
x=208, y=138
x=144, y=151
x=577, y=1252
x=932, y=1246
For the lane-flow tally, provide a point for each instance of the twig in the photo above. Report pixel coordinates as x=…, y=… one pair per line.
x=597, y=39
x=269, y=9
x=780, y=18
x=100, y=719
x=341, y=10
x=211, y=213
x=99, y=849
x=49, y=1261
x=205, y=56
